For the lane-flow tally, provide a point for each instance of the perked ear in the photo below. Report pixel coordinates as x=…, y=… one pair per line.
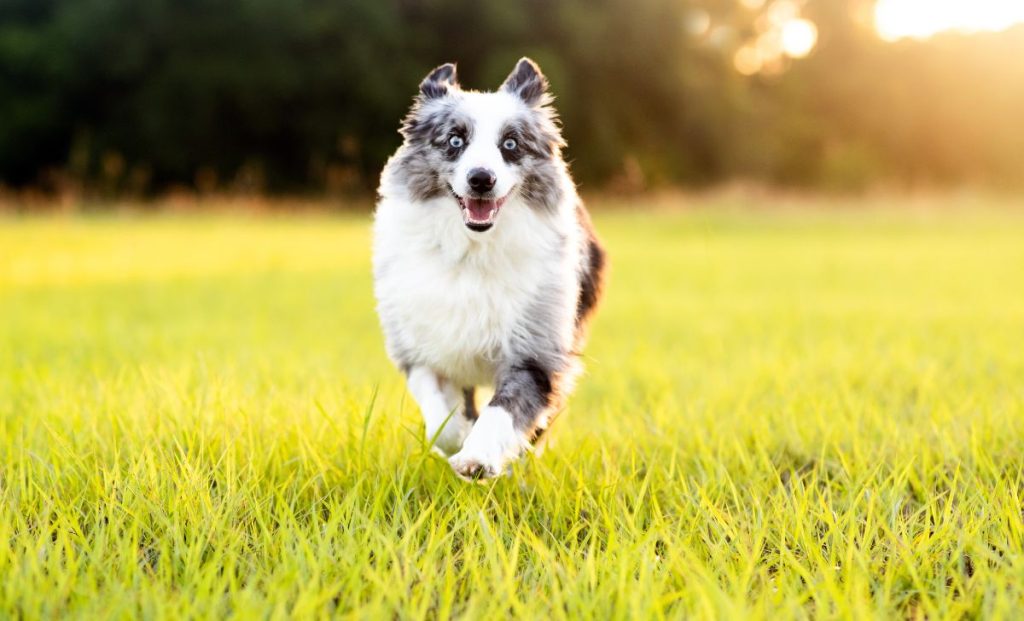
x=527, y=82
x=438, y=81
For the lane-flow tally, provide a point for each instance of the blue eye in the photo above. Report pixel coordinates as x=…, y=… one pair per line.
x=455, y=141
x=510, y=144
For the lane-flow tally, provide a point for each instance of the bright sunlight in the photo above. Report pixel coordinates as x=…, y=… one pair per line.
x=896, y=19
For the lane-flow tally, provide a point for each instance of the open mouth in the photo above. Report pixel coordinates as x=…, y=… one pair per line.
x=478, y=214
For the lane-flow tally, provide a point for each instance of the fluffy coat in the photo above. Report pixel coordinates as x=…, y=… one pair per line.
x=486, y=266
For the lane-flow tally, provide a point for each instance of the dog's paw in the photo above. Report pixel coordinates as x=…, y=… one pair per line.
x=490, y=447
x=470, y=469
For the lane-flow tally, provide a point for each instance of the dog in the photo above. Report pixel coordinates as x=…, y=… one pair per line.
x=486, y=266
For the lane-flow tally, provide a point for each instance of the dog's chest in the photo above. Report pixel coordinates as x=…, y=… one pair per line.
x=460, y=315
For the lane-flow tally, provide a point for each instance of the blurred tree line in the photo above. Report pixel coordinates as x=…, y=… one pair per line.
x=137, y=97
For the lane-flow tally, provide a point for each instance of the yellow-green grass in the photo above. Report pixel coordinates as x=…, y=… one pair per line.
x=788, y=413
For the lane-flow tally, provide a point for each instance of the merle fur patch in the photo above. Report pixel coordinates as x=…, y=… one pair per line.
x=426, y=159
x=527, y=82
x=438, y=81
x=538, y=156
x=525, y=391
x=540, y=188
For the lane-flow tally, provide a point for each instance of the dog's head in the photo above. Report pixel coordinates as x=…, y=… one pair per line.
x=482, y=149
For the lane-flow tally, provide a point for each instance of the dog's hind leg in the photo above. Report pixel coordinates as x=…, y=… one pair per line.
x=446, y=415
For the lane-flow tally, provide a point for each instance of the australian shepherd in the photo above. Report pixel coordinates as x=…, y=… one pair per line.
x=486, y=266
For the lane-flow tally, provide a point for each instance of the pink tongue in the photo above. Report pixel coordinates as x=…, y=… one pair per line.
x=479, y=209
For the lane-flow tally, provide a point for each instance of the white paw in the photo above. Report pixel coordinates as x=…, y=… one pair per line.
x=491, y=446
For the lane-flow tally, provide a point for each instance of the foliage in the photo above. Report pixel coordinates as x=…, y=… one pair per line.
x=127, y=97
x=788, y=414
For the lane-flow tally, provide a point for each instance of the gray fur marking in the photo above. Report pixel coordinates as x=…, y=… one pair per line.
x=525, y=391
x=424, y=159
x=438, y=81
x=591, y=272
x=527, y=82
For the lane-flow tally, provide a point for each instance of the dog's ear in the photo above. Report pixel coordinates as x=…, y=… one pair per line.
x=527, y=82
x=438, y=81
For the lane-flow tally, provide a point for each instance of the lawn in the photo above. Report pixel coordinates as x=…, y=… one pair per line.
x=790, y=411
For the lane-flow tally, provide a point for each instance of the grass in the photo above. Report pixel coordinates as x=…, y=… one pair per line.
x=788, y=413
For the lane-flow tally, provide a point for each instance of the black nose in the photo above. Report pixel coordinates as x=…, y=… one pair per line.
x=482, y=180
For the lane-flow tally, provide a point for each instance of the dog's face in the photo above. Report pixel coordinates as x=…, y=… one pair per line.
x=481, y=149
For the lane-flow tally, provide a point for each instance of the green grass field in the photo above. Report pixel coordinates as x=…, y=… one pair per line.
x=788, y=413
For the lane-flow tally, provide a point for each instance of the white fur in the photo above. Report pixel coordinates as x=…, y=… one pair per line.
x=460, y=298
x=441, y=405
x=489, y=112
x=491, y=446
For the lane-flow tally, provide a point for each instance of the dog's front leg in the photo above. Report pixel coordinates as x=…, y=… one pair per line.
x=445, y=417
x=522, y=399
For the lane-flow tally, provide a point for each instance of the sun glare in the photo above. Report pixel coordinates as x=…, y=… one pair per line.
x=799, y=37
x=782, y=34
x=896, y=19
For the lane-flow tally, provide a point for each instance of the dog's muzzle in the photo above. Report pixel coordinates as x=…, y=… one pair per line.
x=478, y=214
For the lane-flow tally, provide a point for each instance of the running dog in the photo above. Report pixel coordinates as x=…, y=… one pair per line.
x=486, y=266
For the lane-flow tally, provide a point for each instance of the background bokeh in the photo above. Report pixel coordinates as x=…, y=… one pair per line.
x=125, y=98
